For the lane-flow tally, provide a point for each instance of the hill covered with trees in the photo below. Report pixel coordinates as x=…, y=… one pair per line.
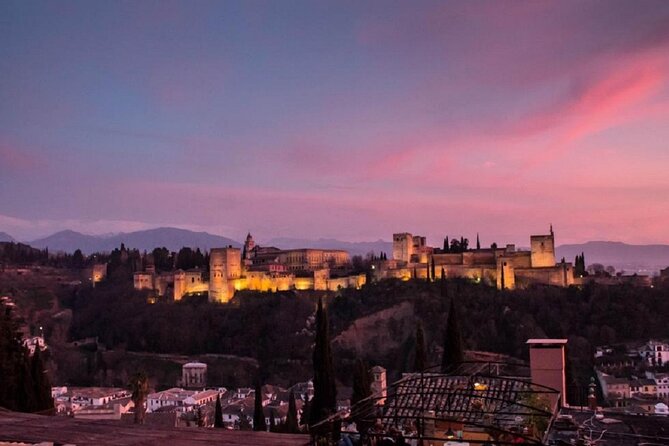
x=277, y=328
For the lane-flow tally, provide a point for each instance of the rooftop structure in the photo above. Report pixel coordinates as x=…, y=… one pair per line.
x=478, y=402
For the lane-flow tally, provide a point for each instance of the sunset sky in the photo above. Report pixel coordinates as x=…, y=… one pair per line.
x=346, y=119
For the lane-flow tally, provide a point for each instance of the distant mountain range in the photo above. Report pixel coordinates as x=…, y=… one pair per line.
x=4, y=237
x=624, y=257
x=354, y=248
x=171, y=238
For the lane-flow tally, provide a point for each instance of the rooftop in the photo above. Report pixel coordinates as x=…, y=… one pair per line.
x=546, y=341
x=31, y=428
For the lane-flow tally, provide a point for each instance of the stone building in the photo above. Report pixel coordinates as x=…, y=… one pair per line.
x=505, y=267
x=194, y=375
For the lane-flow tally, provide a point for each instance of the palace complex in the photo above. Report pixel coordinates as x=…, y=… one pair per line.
x=256, y=268
x=506, y=268
x=272, y=269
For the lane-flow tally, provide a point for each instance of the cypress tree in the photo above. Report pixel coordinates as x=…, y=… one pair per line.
x=453, y=349
x=446, y=245
x=41, y=384
x=432, y=269
x=139, y=384
x=420, y=359
x=362, y=388
x=478, y=242
x=291, y=419
x=16, y=388
x=200, y=417
x=218, y=413
x=362, y=384
x=306, y=412
x=258, y=415
x=272, y=421
x=443, y=290
x=325, y=393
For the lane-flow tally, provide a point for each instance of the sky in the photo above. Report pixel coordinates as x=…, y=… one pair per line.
x=343, y=119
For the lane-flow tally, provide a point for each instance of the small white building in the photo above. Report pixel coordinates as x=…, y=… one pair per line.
x=95, y=396
x=661, y=409
x=194, y=375
x=662, y=382
x=171, y=397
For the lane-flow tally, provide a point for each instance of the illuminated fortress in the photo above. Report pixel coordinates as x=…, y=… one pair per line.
x=506, y=267
x=255, y=268
x=272, y=269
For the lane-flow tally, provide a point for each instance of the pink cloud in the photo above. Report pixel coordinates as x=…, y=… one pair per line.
x=14, y=160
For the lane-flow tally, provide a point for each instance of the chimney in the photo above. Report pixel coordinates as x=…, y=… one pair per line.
x=547, y=366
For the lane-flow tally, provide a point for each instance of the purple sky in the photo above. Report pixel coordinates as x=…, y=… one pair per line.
x=344, y=119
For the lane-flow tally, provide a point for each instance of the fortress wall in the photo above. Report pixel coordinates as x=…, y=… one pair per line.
x=560, y=275
x=483, y=257
x=447, y=259
x=143, y=281
x=520, y=259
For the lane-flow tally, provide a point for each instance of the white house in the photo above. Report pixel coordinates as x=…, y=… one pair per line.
x=95, y=396
x=662, y=381
x=171, y=397
x=655, y=352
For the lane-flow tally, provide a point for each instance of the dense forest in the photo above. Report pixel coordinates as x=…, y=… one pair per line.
x=278, y=327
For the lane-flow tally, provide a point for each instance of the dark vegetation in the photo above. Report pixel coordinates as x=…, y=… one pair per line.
x=25, y=384
x=277, y=328
x=270, y=328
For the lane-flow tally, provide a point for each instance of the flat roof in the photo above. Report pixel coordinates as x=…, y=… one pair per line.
x=546, y=341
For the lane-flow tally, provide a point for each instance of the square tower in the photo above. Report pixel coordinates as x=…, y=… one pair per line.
x=402, y=247
x=225, y=265
x=542, y=251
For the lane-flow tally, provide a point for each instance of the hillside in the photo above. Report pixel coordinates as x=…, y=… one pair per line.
x=171, y=238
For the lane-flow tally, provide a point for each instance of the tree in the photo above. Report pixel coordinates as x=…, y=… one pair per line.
x=41, y=385
x=139, y=384
x=291, y=419
x=78, y=259
x=446, y=247
x=455, y=246
x=362, y=389
x=432, y=269
x=272, y=420
x=362, y=383
x=218, y=413
x=478, y=241
x=306, y=412
x=258, y=414
x=420, y=358
x=200, y=417
x=325, y=393
x=453, y=350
